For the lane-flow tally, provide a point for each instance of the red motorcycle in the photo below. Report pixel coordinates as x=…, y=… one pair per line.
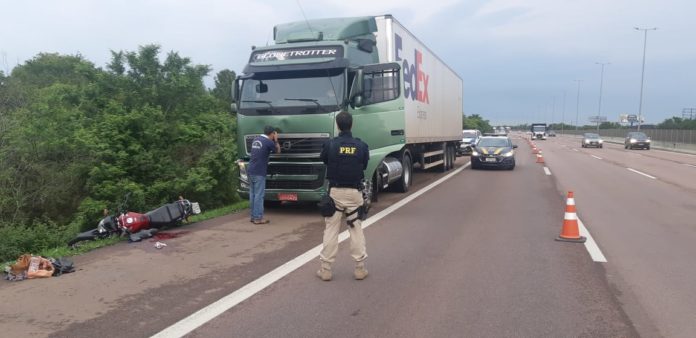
x=130, y=223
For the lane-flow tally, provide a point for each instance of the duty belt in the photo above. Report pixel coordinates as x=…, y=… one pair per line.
x=340, y=185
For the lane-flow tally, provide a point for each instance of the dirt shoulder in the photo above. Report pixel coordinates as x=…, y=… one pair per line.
x=134, y=289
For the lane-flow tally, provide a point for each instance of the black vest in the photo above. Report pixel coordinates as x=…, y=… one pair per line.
x=346, y=161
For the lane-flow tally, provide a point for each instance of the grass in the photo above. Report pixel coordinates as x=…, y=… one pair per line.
x=65, y=251
x=230, y=209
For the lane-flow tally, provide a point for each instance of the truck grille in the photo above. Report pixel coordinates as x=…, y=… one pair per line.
x=294, y=145
x=295, y=169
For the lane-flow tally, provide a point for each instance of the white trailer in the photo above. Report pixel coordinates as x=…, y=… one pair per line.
x=432, y=90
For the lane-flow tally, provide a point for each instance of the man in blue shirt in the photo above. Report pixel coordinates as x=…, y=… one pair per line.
x=261, y=149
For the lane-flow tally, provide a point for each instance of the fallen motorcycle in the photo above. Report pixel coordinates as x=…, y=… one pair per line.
x=131, y=223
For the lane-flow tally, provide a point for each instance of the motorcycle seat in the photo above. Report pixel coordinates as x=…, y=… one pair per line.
x=166, y=214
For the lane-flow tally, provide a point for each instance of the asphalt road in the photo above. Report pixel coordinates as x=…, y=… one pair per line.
x=645, y=226
x=473, y=256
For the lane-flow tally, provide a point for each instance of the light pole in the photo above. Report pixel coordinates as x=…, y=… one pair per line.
x=553, y=109
x=642, y=76
x=577, y=105
x=601, y=82
x=563, y=112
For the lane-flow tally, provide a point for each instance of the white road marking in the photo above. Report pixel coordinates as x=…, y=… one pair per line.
x=215, y=309
x=597, y=157
x=547, y=171
x=690, y=165
x=642, y=173
x=591, y=245
x=575, y=149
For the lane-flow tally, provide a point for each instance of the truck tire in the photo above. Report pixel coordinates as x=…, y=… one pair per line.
x=376, y=184
x=451, y=157
x=445, y=158
x=405, y=181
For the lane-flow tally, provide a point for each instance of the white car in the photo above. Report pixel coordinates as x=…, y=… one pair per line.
x=469, y=138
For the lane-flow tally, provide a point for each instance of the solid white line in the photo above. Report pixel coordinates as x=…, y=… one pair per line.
x=547, y=171
x=575, y=149
x=591, y=245
x=690, y=165
x=215, y=309
x=642, y=173
x=597, y=157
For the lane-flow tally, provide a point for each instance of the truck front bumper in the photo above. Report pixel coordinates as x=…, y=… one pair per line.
x=289, y=181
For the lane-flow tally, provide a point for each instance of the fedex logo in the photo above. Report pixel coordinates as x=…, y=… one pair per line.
x=415, y=78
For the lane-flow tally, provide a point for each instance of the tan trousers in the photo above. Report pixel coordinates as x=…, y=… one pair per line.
x=349, y=200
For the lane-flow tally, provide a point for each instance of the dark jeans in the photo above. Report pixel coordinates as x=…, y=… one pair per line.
x=257, y=189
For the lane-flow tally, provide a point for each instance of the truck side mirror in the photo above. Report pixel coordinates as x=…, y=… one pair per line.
x=356, y=91
x=358, y=101
x=234, y=96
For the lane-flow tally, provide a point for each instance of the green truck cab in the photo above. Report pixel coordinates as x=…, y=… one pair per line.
x=406, y=104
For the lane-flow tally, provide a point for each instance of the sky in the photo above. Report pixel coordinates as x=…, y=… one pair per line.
x=518, y=58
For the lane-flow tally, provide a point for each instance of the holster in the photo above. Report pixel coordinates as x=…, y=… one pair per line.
x=327, y=206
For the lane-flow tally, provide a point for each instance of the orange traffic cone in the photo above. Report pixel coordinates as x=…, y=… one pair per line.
x=570, y=232
x=540, y=158
x=535, y=150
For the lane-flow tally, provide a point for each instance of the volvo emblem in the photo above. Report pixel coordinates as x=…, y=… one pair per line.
x=287, y=145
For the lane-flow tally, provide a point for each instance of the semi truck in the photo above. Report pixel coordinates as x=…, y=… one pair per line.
x=406, y=104
x=538, y=131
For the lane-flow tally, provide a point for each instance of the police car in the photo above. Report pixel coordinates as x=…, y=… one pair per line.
x=493, y=152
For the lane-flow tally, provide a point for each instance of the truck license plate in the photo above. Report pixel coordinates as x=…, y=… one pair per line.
x=490, y=159
x=284, y=196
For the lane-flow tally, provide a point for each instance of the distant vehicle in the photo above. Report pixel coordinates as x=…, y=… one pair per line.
x=637, y=139
x=591, y=140
x=551, y=133
x=493, y=152
x=469, y=139
x=538, y=131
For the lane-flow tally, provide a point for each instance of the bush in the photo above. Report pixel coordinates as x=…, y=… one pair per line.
x=21, y=239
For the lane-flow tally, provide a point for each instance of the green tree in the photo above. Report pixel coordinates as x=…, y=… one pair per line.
x=74, y=138
x=476, y=122
x=224, y=83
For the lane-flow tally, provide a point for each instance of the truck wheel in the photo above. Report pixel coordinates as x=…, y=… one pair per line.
x=405, y=180
x=445, y=158
x=376, y=184
x=367, y=194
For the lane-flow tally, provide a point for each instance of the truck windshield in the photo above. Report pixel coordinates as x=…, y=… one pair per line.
x=539, y=128
x=293, y=92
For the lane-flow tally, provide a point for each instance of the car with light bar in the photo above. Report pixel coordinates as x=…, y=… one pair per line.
x=493, y=152
x=637, y=139
x=591, y=140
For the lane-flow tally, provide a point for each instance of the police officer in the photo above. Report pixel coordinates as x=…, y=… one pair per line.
x=346, y=158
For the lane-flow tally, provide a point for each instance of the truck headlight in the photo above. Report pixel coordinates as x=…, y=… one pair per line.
x=587, y=141
x=242, y=171
x=601, y=141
